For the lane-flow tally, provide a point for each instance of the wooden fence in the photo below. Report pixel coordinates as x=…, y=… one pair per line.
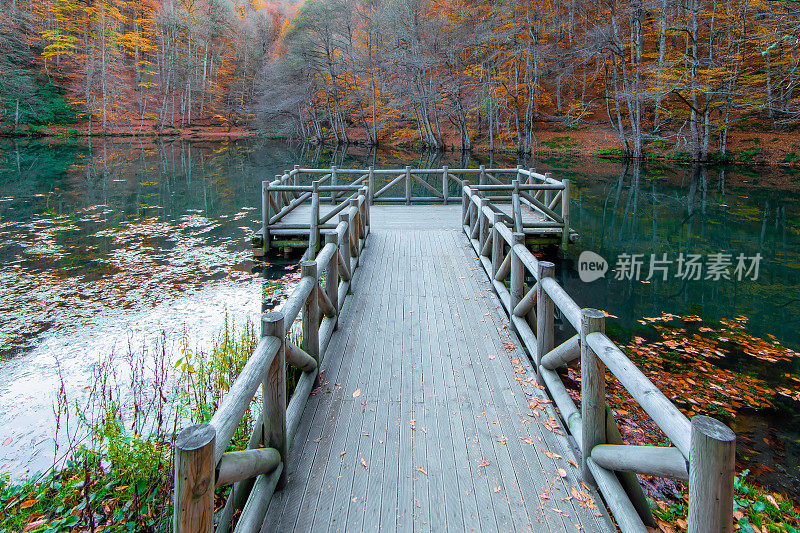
x=201, y=460
x=541, y=193
x=702, y=449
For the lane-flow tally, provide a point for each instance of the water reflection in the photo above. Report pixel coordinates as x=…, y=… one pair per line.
x=117, y=241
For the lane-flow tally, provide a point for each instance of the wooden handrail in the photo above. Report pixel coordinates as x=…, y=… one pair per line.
x=703, y=448
x=200, y=451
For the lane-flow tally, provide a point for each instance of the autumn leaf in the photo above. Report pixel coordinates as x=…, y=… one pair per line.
x=562, y=472
x=420, y=469
x=363, y=463
x=357, y=393
x=28, y=503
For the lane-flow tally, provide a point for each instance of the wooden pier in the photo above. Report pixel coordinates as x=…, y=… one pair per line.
x=300, y=204
x=430, y=398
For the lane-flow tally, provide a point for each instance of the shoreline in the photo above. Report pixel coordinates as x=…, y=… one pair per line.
x=763, y=148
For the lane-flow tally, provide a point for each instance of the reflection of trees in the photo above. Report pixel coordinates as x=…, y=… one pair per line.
x=630, y=215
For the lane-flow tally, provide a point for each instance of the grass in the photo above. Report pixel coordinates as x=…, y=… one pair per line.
x=754, y=511
x=115, y=474
x=563, y=142
x=608, y=154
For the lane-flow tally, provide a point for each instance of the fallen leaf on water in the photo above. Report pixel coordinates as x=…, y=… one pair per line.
x=497, y=489
x=7, y=441
x=484, y=463
x=357, y=393
x=562, y=472
x=422, y=470
x=527, y=440
x=363, y=462
x=551, y=455
x=502, y=439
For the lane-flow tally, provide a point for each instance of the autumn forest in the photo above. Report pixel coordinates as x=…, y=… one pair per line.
x=460, y=74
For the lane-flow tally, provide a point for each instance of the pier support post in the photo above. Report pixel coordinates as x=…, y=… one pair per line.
x=593, y=391
x=711, y=471
x=194, y=480
x=273, y=390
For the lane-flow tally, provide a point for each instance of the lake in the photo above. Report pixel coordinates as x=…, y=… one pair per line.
x=124, y=244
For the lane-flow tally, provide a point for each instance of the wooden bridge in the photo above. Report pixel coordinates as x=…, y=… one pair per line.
x=430, y=398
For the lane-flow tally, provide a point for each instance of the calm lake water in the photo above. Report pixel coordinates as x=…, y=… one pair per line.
x=112, y=245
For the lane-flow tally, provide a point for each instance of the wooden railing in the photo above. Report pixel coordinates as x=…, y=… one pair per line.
x=702, y=449
x=201, y=460
x=540, y=192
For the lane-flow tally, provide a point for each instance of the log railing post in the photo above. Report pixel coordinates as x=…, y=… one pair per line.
x=548, y=193
x=371, y=190
x=711, y=471
x=332, y=276
x=565, y=214
x=517, y=288
x=193, y=509
x=266, y=214
x=408, y=185
x=516, y=206
x=544, y=314
x=367, y=222
x=334, y=183
x=498, y=246
x=313, y=244
x=464, y=206
x=473, y=214
x=593, y=391
x=483, y=221
x=273, y=389
x=310, y=340
x=344, y=246
x=355, y=231
x=445, y=184
x=482, y=177
x=281, y=195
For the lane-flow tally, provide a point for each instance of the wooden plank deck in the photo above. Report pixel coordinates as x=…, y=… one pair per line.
x=428, y=417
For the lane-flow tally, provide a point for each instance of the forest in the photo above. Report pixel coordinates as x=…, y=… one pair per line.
x=462, y=74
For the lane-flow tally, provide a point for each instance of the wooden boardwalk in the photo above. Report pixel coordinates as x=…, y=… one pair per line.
x=428, y=416
x=423, y=411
